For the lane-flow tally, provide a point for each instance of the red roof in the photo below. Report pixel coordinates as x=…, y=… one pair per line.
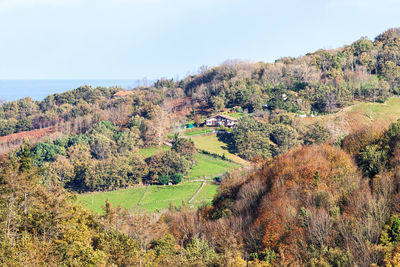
x=225, y=117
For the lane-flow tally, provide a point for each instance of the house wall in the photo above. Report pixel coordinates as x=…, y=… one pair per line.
x=218, y=121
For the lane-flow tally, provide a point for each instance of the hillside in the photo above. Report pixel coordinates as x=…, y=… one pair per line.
x=358, y=116
x=319, y=204
x=212, y=144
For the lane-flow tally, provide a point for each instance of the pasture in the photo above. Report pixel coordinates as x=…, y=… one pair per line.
x=150, y=198
x=211, y=144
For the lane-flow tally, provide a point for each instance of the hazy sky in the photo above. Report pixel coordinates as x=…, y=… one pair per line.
x=132, y=39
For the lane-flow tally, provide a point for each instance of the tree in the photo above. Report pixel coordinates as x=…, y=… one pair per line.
x=101, y=146
x=84, y=167
x=61, y=171
x=46, y=152
x=199, y=253
x=185, y=147
x=198, y=120
x=128, y=141
x=165, y=250
x=218, y=103
x=330, y=102
x=7, y=126
x=250, y=138
x=41, y=225
x=371, y=159
x=316, y=134
x=285, y=137
x=173, y=162
x=157, y=129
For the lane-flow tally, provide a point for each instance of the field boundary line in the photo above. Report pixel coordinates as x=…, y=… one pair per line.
x=144, y=194
x=197, y=192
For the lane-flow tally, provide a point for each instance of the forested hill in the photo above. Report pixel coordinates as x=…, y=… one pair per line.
x=318, y=82
x=319, y=205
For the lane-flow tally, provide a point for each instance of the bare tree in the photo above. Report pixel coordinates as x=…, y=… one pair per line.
x=319, y=227
x=330, y=102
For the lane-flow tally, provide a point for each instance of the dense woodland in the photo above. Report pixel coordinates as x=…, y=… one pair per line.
x=306, y=199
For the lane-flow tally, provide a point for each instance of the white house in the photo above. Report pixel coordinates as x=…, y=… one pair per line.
x=220, y=120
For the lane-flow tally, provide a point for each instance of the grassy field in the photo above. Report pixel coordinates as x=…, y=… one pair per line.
x=151, y=198
x=352, y=118
x=210, y=167
x=235, y=115
x=126, y=198
x=150, y=151
x=155, y=197
x=390, y=110
x=197, y=131
x=212, y=144
x=206, y=195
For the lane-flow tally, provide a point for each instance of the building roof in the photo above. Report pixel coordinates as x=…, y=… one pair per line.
x=224, y=116
x=123, y=93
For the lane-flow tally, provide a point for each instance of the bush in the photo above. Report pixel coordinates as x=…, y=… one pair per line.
x=395, y=229
x=163, y=179
x=176, y=178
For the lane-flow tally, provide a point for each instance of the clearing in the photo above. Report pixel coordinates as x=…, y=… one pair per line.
x=209, y=167
x=211, y=144
x=151, y=198
x=353, y=118
x=156, y=197
x=235, y=115
x=150, y=151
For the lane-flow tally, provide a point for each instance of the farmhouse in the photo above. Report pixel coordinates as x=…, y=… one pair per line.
x=220, y=120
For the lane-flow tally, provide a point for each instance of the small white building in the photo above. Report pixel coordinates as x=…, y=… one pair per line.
x=220, y=120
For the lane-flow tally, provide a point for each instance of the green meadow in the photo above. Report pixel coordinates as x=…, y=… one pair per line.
x=150, y=151
x=211, y=144
x=209, y=167
x=151, y=198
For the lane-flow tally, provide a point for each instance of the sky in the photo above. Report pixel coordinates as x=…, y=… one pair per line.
x=135, y=39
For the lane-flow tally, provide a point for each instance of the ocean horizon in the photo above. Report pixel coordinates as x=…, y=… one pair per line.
x=38, y=89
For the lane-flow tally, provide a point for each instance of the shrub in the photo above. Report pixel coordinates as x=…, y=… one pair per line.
x=163, y=179
x=176, y=178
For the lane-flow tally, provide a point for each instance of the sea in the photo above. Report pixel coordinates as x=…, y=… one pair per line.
x=38, y=89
